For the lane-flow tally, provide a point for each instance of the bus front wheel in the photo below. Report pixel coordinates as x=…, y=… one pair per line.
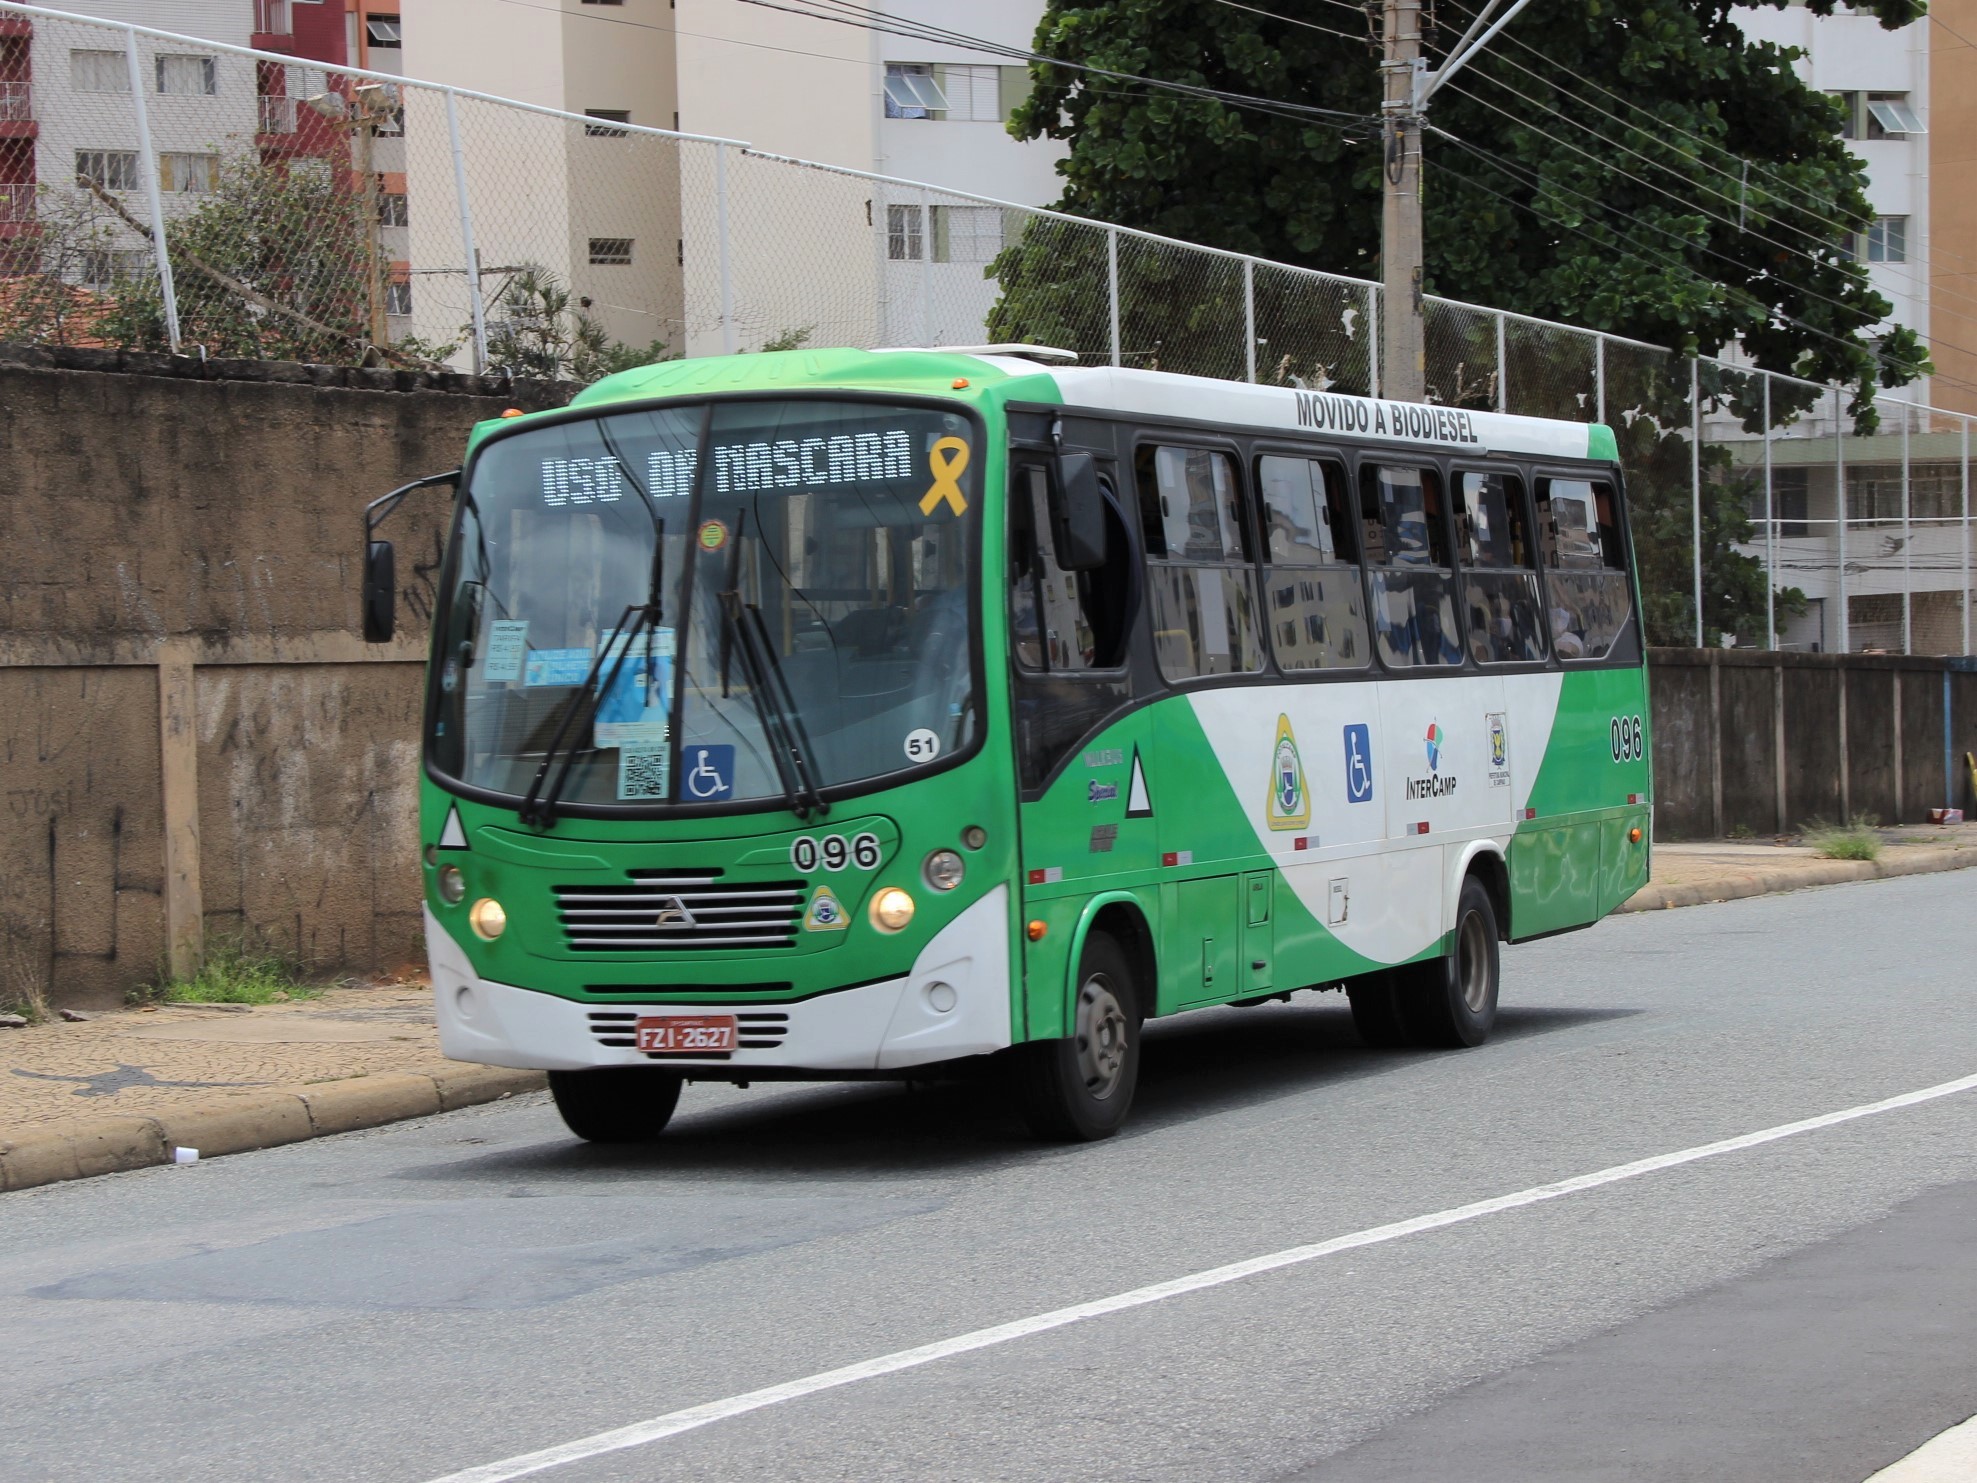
x=616, y=1104
x=1080, y=1088
x=1451, y=1001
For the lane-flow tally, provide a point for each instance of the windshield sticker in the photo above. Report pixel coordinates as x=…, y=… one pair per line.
x=710, y=773
x=713, y=535
x=826, y=913
x=557, y=667
x=946, y=461
x=642, y=772
x=631, y=710
x=507, y=642
x=922, y=745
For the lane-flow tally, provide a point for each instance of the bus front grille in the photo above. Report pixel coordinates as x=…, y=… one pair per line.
x=618, y=1028
x=679, y=911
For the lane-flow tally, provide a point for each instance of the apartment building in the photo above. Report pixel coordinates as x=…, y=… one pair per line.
x=782, y=83
x=1901, y=548
x=1952, y=203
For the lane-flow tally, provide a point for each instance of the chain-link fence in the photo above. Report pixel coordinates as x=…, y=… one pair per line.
x=181, y=195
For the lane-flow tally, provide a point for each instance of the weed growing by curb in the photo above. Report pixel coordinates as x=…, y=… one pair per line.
x=1855, y=841
x=236, y=972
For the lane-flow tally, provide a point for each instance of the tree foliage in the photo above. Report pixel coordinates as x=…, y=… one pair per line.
x=1595, y=179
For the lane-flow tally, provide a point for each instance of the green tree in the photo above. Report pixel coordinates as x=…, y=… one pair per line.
x=540, y=329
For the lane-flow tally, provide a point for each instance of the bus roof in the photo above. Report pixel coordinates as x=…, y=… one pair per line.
x=1162, y=394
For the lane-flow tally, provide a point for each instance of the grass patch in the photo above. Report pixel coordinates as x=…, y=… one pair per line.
x=236, y=972
x=1855, y=841
x=25, y=995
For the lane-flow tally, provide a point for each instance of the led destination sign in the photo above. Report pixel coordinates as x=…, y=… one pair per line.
x=763, y=464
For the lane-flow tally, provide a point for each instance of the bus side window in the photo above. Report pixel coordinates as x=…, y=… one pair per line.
x=1585, y=567
x=1062, y=621
x=1198, y=572
x=1500, y=569
x=1411, y=578
x=1313, y=602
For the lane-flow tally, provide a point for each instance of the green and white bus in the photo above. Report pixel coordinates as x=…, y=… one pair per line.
x=838, y=713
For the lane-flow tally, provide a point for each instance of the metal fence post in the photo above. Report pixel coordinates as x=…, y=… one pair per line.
x=1502, y=365
x=148, y=162
x=1770, y=534
x=1907, y=539
x=1695, y=484
x=1112, y=286
x=729, y=340
x=1249, y=317
x=1840, y=524
x=1372, y=339
x=1599, y=375
x=1966, y=534
x=926, y=269
x=476, y=308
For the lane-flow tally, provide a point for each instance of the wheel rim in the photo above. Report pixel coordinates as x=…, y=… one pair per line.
x=1102, y=1037
x=1473, y=962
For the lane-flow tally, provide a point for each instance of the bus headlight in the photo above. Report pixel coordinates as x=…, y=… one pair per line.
x=892, y=909
x=943, y=870
x=452, y=885
x=487, y=918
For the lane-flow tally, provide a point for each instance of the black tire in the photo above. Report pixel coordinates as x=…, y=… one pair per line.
x=616, y=1104
x=1377, y=1011
x=1452, y=1000
x=1080, y=1088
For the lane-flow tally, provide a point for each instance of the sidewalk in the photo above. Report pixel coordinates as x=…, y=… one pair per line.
x=127, y=1087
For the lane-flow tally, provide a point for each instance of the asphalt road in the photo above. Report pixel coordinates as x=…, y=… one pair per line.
x=415, y=1301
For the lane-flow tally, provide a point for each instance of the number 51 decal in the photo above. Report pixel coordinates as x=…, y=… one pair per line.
x=1625, y=734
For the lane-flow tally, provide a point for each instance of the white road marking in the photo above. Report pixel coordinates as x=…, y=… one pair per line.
x=674, y=1422
x=1948, y=1457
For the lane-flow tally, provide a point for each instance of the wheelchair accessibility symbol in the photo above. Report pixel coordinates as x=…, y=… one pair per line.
x=710, y=773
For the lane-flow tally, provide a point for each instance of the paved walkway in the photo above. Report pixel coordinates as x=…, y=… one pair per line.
x=126, y=1087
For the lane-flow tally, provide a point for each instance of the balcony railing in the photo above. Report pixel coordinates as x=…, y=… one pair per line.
x=272, y=18
x=277, y=115
x=16, y=102
x=16, y=202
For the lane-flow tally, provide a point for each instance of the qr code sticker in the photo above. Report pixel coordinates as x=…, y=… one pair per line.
x=642, y=774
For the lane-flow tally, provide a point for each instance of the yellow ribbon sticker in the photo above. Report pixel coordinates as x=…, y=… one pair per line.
x=946, y=460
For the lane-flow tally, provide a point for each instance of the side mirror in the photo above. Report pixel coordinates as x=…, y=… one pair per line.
x=380, y=592
x=1077, y=513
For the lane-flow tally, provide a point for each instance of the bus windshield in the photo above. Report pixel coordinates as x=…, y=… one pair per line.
x=681, y=593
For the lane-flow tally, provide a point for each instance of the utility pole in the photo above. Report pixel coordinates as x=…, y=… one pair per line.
x=1403, y=353
x=1407, y=83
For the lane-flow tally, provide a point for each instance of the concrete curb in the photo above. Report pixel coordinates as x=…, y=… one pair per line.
x=1796, y=877
x=223, y=1125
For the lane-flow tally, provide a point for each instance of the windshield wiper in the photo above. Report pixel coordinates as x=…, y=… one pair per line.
x=539, y=806
x=789, y=746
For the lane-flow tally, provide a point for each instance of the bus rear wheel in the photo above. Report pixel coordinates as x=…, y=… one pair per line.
x=616, y=1104
x=1451, y=1001
x=1079, y=1089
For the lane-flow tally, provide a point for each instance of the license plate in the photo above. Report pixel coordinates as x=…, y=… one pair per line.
x=687, y=1032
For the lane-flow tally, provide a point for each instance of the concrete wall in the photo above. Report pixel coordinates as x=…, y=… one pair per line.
x=194, y=539
x=1757, y=743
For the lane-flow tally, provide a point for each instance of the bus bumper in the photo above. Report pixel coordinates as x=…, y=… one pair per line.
x=875, y=1027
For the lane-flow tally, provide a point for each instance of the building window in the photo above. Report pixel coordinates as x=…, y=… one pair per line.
x=911, y=91
x=974, y=94
x=606, y=117
x=905, y=237
x=398, y=297
x=611, y=252
x=968, y=234
x=108, y=169
x=187, y=174
x=1890, y=117
x=384, y=30
x=102, y=269
x=1876, y=115
x=392, y=210
x=602, y=2
x=99, y=71
x=1886, y=241
x=190, y=76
